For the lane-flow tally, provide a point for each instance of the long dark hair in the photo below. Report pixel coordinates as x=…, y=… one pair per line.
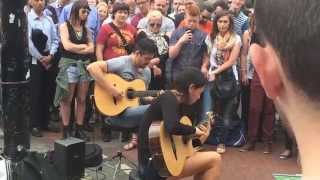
x=74, y=15
x=215, y=29
x=187, y=77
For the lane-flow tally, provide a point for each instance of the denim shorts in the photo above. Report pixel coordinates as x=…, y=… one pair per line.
x=75, y=77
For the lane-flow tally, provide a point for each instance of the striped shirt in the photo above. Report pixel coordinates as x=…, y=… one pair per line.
x=241, y=23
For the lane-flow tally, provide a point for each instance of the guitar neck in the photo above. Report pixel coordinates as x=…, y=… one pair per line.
x=134, y=94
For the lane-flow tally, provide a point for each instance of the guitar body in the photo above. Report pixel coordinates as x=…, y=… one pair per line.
x=167, y=160
x=105, y=102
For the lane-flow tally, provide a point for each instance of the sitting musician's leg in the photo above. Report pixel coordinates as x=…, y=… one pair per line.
x=130, y=119
x=202, y=165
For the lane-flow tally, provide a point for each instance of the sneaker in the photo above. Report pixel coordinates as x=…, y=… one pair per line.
x=36, y=132
x=248, y=147
x=267, y=148
x=286, y=154
x=221, y=148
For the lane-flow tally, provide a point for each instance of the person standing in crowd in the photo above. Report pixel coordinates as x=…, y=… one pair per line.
x=116, y=38
x=167, y=25
x=102, y=8
x=187, y=44
x=205, y=23
x=241, y=23
x=286, y=59
x=246, y=70
x=77, y=49
x=181, y=9
x=54, y=10
x=187, y=48
x=161, y=40
x=170, y=107
x=93, y=22
x=132, y=9
x=225, y=50
x=219, y=5
x=129, y=67
x=43, y=45
x=143, y=7
x=180, y=17
x=175, y=5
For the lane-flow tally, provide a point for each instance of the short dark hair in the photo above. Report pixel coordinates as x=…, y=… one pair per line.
x=223, y=4
x=118, y=6
x=146, y=46
x=293, y=30
x=188, y=76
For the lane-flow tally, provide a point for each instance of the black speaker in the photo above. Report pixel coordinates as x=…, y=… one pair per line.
x=69, y=158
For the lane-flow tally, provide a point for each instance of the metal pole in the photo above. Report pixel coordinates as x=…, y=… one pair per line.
x=14, y=66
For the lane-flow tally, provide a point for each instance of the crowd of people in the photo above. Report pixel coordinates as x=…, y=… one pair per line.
x=74, y=43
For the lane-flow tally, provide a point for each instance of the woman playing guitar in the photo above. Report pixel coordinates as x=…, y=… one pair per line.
x=170, y=107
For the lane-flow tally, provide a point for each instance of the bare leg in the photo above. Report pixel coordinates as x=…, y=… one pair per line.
x=81, y=101
x=65, y=105
x=203, y=165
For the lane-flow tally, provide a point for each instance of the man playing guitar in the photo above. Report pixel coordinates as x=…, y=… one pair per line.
x=131, y=67
x=169, y=107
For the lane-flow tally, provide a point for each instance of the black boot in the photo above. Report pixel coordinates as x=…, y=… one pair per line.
x=81, y=134
x=66, y=132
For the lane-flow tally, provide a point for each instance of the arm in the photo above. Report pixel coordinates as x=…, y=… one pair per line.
x=243, y=57
x=170, y=109
x=67, y=44
x=97, y=70
x=89, y=49
x=55, y=38
x=99, y=51
x=232, y=59
x=178, y=42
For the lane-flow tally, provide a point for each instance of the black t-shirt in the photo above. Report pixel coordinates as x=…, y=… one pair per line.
x=165, y=108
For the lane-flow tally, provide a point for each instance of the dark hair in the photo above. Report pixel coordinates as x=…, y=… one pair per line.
x=146, y=46
x=74, y=14
x=295, y=35
x=215, y=29
x=188, y=76
x=208, y=8
x=119, y=6
x=223, y=4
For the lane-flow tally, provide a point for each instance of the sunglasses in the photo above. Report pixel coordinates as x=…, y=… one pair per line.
x=155, y=25
x=206, y=17
x=84, y=11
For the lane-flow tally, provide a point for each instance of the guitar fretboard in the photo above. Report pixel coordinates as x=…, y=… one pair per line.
x=133, y=94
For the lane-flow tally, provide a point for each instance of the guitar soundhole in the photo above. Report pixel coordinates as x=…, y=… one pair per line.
x=130, y=93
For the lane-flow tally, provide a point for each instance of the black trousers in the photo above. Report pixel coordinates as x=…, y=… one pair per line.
x=42, y=87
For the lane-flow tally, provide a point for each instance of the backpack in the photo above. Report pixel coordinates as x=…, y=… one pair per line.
x=93, y=155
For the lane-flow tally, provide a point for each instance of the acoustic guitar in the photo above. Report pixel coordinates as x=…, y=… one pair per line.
x=133, y=90
x=169, y=152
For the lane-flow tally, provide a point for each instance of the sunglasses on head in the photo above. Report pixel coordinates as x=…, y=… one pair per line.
x=155, y=25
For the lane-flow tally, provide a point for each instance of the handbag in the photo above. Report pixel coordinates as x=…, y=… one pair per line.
x=126, y=46
x=225, y=85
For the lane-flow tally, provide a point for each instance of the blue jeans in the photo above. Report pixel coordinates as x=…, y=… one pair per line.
x=206, y=102
x=130, y=118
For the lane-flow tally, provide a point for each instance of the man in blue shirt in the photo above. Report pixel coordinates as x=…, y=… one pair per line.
x=43, y=44
x=187, y=48
x=93, y=22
